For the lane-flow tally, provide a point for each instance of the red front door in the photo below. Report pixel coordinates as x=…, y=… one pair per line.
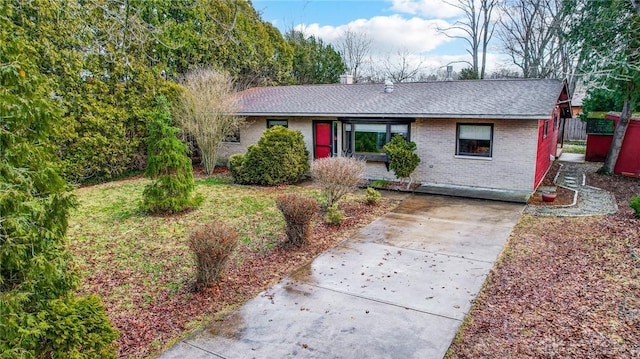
x=322, y=140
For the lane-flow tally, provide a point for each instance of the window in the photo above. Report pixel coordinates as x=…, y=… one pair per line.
x=368, y=138
x=545, y=129
x=283, y=123
x=234, y=137
x=474, y=140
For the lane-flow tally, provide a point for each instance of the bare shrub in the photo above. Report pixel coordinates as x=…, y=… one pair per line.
x=337, y=176
x=298, y=210
x=208, y=104
x=212, y=244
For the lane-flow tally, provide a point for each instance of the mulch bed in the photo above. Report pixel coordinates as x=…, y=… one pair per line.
x=198, y=171
x=564, y=196
x=563, y=288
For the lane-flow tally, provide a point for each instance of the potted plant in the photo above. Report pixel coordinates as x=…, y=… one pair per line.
x=549, y=196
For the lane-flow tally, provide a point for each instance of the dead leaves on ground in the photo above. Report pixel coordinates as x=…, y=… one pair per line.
x=564, y=288
x=148, y=321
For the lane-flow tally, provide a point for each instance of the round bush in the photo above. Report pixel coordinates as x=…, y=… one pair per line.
x=279, y=157
x=333, y=216
x=372, y=196
x=635, y=204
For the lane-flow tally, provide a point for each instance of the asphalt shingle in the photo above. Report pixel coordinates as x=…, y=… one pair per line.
x=500, y=99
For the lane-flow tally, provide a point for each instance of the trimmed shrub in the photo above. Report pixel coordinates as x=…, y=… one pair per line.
x=635, y=204
x=279, y=157
x=402, y=157
x=337, y=176
x=236, y=169
x=372, y=196
x=212, y=245
x=333, y=216
x=75, y=328
x=298, y=210
x=168, y=165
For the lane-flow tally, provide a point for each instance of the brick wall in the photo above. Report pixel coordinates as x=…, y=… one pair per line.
x=252, y=132
x=512, y=165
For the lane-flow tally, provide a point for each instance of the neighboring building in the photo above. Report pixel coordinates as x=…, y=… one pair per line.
x=600, y=136
x=576, y=104
x=486, y=138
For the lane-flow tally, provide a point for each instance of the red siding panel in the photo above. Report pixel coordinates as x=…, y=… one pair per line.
x=597, y=147
x=547, y=146
x=629, y=158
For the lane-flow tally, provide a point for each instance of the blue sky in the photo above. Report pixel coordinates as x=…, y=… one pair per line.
x=409, y=27
x=326, y=12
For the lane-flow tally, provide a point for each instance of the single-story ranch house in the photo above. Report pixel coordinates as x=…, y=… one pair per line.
x=484, y=138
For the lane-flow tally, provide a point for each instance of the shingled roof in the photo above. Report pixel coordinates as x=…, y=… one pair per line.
x=495, y=99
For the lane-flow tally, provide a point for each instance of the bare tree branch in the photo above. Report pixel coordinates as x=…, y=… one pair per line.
x=478, y=26
x=354, y=48
x=401, y=69
x=532, y=32
x=208, y=105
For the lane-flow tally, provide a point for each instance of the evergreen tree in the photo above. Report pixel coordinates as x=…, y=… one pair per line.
x=168, y=165
x=39, y=314
x=402, y=157
x=313, y=61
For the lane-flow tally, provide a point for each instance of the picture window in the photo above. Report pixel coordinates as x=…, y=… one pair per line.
x=474, y=140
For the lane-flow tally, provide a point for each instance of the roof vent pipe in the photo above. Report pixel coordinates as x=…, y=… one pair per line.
x=449, y=72
x=388, y=86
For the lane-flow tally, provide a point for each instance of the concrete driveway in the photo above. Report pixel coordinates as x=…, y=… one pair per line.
x=399, y=289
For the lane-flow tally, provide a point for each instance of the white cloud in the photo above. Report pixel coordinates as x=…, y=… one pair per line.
x=426, y=8
x=388, y=33
x=417, y=37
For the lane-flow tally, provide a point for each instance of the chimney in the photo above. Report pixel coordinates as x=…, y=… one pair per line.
x=388, y=86
x=449, y=72
x=346, y=79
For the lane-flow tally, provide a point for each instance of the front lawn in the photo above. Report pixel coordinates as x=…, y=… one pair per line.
x=563, y=288
x=141, y=266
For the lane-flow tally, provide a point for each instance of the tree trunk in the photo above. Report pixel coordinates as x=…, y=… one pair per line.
x=618, y=137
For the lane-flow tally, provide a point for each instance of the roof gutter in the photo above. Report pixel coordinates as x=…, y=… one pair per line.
x=401, y=115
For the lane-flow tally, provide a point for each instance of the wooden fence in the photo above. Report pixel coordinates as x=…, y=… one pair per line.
x=575, y=130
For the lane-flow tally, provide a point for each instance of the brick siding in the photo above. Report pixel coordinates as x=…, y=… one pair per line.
x=252, y=132
x=512, y=165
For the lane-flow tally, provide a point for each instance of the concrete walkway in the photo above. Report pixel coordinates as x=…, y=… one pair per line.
x=400, y=288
